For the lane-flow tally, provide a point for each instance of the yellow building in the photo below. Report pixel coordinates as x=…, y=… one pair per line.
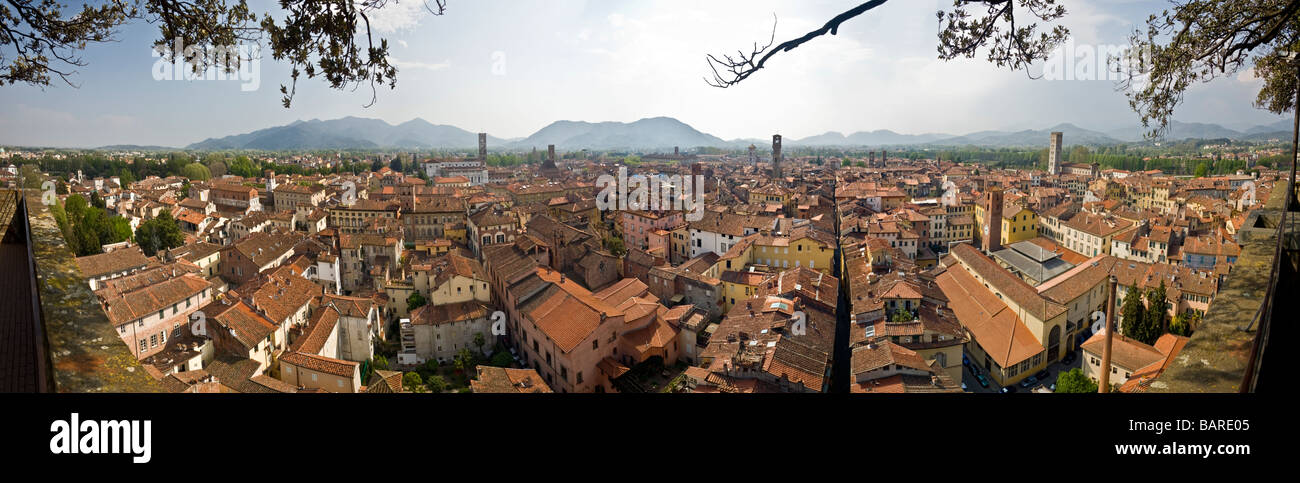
x=455, y=232
x=433, y=247
x=741, y=285
x=803, y=247
x=1019, y=223
x=772, y=195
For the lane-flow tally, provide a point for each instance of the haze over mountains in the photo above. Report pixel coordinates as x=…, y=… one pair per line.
x=660, y=133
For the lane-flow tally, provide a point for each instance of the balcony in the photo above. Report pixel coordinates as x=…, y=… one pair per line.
x=53, y=335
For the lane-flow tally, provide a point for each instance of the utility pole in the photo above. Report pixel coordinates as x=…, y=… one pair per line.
x=1104, y=386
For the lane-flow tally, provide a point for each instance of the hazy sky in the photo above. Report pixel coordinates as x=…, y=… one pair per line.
x=620, y=61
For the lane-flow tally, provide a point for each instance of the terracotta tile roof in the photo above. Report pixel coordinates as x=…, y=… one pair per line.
x=154, y=298
x=1009, y=285
x=997, y=329
x=113, y=262
x=327, y=365
x=869, y=357
x=248, y=326
x=387, y=382
x=449, y=313
x=565, y=311
x=503, y=380
x=319, y=329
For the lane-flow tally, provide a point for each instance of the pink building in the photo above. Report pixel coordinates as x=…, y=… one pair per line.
x=639, y=227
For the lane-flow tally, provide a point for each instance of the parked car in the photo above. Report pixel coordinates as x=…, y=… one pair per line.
x=1069, y=357
x=1043, y=375
x=984, y=382
x=1029, y=382
x=1008, y=389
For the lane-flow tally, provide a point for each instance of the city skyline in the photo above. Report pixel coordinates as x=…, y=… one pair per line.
x=512, y=69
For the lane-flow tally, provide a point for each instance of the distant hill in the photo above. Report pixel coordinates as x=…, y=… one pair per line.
x=883, y=137
x=1070, y=133
x=665, y=133
x=134, y=147
x=649, y=133
x=350, y=133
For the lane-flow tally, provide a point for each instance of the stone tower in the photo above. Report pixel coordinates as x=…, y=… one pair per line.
x=482, y=146
x=1054, y=154
x=991, y=237
x=776, y=157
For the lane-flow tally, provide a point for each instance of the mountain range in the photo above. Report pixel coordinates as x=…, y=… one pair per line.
x=661, y=133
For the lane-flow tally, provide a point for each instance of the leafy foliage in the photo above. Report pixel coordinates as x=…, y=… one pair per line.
x=161, y=233
x=502, y=359
x=436, y=384
x=1074, y=382
x=412, y=381
x=415, y=301
x=329, y=38
x=1133, y=312
x=1200, y=40
x=1157, y=312
x=87, y=226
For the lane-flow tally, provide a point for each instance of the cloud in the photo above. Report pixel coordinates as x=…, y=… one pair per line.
x=411, y=64
x=397, y=16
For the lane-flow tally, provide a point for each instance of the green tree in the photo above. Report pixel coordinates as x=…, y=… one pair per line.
x=615, y=246
x=196, y=172
x=1133, y=313
x=121, y=228
x=412, y=381
x=479, y=341
x=465, y=360
x=415, y=301
x=379, y=363
x=901, y=316
x=1074, y=382
x=1181, y=325
x=161, y=233
x=502, y=359
x=1202, y=170
x=328, y=38
x=436, y=384
x=217, y=169
x=1157, y=313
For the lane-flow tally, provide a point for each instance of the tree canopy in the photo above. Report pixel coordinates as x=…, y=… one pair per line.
x=1189, y=42
x=161, y=233
x=41, y=39
x=1074, y=382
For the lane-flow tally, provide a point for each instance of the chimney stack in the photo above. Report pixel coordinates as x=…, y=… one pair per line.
x=482, y=146
x=1104, y=385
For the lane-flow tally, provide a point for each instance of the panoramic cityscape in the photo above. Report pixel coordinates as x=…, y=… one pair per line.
x=611, y=198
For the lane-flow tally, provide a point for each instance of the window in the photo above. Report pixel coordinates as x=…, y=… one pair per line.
x=594, y=345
